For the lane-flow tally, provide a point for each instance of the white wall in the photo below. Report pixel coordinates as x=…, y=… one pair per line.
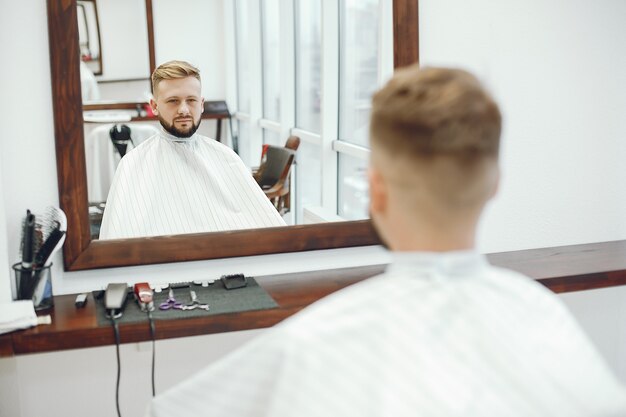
x=5, y=268
x=559, y=72
x=561, y=180
x=198, y=37
x=124, y=34
x=602, y=314
x=27, y=155
x=82, y=382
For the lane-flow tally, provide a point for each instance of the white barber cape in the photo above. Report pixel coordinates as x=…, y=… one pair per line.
x=88, y=83
x=435, y=335
x=169, y=185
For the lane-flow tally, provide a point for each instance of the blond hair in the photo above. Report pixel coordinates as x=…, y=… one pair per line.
x=439, y=124
x=173, y=70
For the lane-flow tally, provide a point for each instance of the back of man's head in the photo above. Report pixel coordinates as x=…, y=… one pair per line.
x=173, y=70
x=435, y=136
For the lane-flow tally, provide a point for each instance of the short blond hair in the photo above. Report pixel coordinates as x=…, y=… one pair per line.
x=173, y=70
x=439, y=122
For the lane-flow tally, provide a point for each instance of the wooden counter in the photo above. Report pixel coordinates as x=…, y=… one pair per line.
x=562, y=269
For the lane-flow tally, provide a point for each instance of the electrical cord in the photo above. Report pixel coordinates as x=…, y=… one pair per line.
x=116, y=330
x=152, y=334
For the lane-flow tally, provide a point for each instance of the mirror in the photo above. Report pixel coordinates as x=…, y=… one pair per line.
x=124, y=71
x=80, y=252
x=89, y=36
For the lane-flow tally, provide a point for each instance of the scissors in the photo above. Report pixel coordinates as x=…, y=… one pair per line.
x=170, y=302
x=195, y=303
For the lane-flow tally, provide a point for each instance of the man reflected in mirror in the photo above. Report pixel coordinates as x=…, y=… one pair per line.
x=441, y=332
x=179, y=181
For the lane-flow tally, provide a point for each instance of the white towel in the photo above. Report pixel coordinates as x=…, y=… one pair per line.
x=17, y=315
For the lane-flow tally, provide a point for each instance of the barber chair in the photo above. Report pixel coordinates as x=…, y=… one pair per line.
x=273, y=173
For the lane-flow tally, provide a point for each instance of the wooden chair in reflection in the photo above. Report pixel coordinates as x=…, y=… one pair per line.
x=273, y=173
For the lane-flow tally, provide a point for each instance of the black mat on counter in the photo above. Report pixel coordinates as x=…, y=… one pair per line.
x=220, y=300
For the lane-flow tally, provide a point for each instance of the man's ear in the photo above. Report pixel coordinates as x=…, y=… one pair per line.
x=378, y=192
x=202, y=105
x=153, y=105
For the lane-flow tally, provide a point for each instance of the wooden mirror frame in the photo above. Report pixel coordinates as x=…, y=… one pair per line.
x=80, y=252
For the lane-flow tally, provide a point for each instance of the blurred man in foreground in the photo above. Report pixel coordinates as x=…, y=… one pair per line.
x=441, y=332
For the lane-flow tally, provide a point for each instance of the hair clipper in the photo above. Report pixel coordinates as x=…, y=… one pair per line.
x=144, y=296
x=115, y=300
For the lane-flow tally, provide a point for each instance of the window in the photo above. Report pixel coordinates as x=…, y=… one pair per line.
x=272, y=138
x=271, y=59
x=308, y=65
x=309, y=68
x=309, y=172
x=358, y=63
x=353, y=188
x=243, y=76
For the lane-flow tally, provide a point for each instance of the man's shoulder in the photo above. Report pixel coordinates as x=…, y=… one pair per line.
x=519, y=284
x=336, y=312
x=391, y=293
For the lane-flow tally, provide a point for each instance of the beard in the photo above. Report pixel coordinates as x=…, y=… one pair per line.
x=172, y=130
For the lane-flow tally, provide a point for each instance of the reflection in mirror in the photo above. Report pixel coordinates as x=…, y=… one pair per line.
x=126, y=91
x=353, y=188
x=89, y=36
x=178, y=181
x=80, y=252
x=359, y=68
x=321, y=186
x=308, y=98
x=308, y=65
x=270, y=15
x=362, y=70
x=124, y=38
